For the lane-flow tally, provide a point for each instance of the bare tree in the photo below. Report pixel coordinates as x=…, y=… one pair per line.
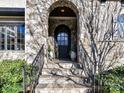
x=100, y=50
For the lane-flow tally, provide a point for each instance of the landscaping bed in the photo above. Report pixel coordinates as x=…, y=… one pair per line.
x=11, y=79
x=113, y=80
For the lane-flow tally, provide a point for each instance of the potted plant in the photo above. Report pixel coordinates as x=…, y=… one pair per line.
x=50, y=53
x=72, y=55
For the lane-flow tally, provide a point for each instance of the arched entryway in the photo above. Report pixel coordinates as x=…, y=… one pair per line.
x=63, y=30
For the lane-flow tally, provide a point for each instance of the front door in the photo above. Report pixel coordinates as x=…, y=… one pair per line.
x=63, y=43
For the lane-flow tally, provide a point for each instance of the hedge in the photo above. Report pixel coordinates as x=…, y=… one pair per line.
x=11, y=76
x=113, y=80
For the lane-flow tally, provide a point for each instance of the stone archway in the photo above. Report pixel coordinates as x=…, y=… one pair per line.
x=64, y=3
x=63, y=13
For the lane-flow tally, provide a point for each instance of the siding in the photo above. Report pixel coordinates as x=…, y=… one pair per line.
x=13, y=3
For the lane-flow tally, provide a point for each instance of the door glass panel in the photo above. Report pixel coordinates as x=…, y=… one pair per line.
x=62, y=39
x=62, y=42
x=66, y=43
x=62, y=34
x=58, y=38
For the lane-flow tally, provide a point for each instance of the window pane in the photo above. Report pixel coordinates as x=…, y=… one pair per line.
x=12, y=47
x=62, y=34
x=66, y=38
x=66, y=42
x=21, y=37
x=22, y=47
x=66, y=34
x=18, y=47
x=10, y=31
x=8, y=47
x=59, y=35
x=1, y=38
x=58, y=38
x=62, y=42
x=121, y=19
x=21, y=31
x=62, y=38
x=21, y=28
x=59, y=42
x=2, y=43
x=120, y=27
x=12, y=37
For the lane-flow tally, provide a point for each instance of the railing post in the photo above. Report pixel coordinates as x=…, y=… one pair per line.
x=23, y=75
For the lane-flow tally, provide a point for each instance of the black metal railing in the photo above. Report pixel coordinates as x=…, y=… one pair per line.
x=34, y=73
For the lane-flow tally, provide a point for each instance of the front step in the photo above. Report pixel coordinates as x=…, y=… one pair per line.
x=56, y=71
x=61, y=88
x=66, y=64
x=62, y=72
x=61, y=77
x=59, y=80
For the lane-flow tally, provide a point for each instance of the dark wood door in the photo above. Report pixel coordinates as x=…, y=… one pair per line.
x=63, y=45
x=62, y=41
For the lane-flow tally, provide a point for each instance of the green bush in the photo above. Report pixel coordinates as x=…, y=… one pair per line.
x=114, y=80
x=11, y=76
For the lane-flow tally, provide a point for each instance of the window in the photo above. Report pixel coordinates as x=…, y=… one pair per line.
x=12, y=36
x=119, y=31
x=120, y=19
x=62, y=39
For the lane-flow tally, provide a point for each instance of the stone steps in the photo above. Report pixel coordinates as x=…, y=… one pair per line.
x=61, y=88
x=56, y=71
x=60, y=65
x=60, y=77
x=62, y=71
x=59, y=80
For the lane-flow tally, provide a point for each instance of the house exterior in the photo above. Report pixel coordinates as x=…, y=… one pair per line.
x=61, y=28
x=49, y=22
x=57, y=23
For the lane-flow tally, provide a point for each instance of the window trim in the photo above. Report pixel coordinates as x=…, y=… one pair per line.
x=10, y=23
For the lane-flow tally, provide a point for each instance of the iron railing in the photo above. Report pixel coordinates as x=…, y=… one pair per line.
x=34, y=73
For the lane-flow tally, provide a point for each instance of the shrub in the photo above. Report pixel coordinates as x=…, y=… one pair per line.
x=11, y=76
x=113, y=80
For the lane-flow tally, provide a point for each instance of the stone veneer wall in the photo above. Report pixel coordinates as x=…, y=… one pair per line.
x=37, y=14
x=37, y=23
